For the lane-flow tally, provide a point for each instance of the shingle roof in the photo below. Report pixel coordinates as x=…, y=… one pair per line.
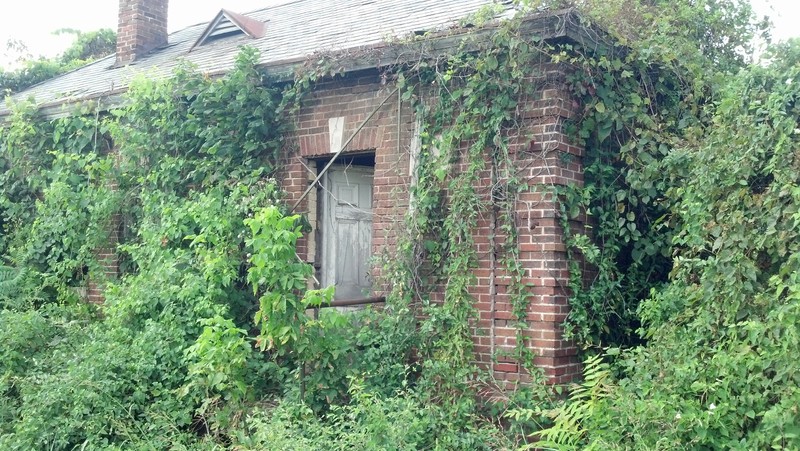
x=294, y=31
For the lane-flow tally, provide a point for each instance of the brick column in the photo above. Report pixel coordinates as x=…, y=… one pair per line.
x=108, y=260
x=549, y=160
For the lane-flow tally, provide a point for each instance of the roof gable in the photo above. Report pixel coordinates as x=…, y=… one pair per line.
x=228, y=24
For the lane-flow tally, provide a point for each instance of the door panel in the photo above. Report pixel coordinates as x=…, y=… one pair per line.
x=347, y=231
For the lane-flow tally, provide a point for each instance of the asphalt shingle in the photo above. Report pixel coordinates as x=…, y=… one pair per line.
x=294, y=31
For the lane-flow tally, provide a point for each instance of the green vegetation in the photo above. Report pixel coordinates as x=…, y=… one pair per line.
x=204, y=341
x=719, y=370
x=690, y=328
x=87, y=47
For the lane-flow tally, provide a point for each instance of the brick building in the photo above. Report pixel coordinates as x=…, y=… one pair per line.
x=359, y=204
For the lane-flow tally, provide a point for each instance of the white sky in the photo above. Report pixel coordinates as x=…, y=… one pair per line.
x=33, y=21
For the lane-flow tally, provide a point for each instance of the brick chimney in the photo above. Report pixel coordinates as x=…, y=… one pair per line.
x=142, y=28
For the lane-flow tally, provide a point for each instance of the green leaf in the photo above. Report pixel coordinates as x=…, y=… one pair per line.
x=491, y=63
x=600, y=107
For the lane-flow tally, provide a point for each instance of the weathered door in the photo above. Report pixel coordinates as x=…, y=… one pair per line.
x=347, y=230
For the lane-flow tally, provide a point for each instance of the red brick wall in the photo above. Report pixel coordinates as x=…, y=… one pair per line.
x=548, y=159
x=108, y=261
x=142, y=28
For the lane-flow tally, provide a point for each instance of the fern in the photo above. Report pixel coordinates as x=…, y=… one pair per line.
x=568, y=432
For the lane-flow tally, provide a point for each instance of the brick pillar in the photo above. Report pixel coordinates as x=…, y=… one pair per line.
x=549, y=160
x=108, y=261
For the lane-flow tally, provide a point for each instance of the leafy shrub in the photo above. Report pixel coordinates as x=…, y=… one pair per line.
x=370, y=421
x=720, y=370
x=146, y=374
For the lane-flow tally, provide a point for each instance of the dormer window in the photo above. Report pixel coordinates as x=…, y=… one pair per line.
x=229, y=24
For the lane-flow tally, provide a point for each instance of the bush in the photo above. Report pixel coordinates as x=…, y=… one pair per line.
x=720, y=370
x=370, y=421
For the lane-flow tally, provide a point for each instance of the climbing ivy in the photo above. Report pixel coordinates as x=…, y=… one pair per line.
x=54, y=189
x=639, y=102
x=465, y=134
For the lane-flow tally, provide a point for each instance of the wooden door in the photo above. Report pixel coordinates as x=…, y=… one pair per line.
x=347, y=231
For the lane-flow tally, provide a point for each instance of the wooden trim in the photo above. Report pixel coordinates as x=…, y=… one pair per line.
x=355, y=302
